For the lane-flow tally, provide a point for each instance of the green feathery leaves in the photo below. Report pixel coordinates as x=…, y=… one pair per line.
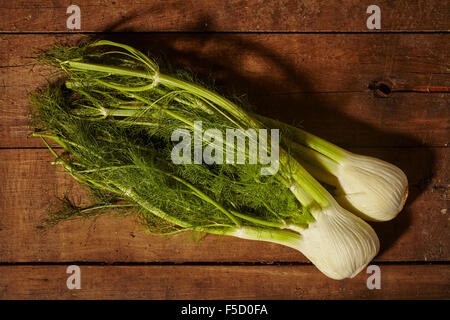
x=114, y=119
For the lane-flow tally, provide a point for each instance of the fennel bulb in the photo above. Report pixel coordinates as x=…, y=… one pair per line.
x=372, y=188
x=375, y=189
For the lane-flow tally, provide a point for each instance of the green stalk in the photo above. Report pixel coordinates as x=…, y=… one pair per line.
x=165, y=80
x=258, y=221
x=106, y=206
x=301, y=136
x=327, y=148
x=108, y=69
x=321, y=167
x=313, y=157
x=304, y=186
x=283, y=237
x=200, y=91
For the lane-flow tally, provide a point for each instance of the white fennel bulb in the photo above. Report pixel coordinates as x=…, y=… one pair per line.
x=338, y=243
x=373, y=188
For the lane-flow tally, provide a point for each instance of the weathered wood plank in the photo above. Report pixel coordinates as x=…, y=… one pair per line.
x=29, y=182
x=238, y=15
x=319, y=80
x=281, y=282
x=346, y=119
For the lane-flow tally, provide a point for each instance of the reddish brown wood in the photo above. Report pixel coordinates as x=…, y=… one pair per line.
x=312, y=73
x=221, y=282
x=319, y=81
x=237, y=15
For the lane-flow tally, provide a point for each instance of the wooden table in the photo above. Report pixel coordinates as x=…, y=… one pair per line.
x=303, y=62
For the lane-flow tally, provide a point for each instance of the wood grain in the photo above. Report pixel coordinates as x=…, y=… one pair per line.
x=29, y=184
x=304, y=62
x=282, y=282
x=320, y=81
x=224, y=16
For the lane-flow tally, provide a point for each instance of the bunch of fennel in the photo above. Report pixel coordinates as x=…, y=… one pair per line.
x=114, y=115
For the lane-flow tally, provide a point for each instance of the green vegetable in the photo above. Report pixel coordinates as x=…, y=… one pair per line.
x=370, y=187
x=115, y=115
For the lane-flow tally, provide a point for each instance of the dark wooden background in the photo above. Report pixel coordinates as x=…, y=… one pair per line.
x=308, y=62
